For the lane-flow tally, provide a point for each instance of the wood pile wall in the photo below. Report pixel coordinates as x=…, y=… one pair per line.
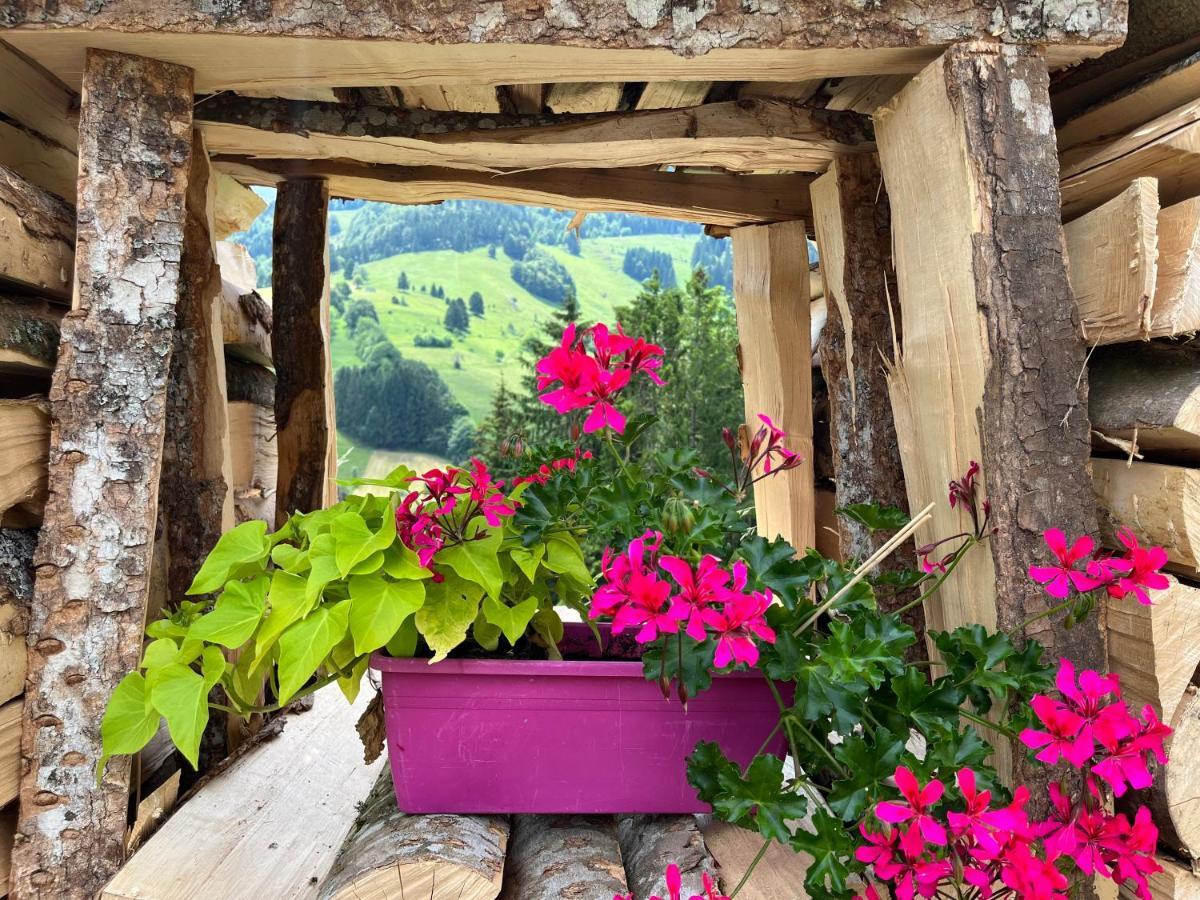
x=1131, y=212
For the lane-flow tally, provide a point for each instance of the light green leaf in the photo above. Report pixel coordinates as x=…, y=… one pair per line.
x=130, y=720
x=476, y=561
x=180, y=694
x=289, y=558
x=399, y=477
x=550, y=628
x=378, y=606
x=484, y=633
x=371, y=564
x=403, y=644
x=236, y=614
x=512, y=620
x=351, y=684
x=289, y=602
x=304, y=646
x=160, y=653
x=250, y=673
x=403, y=565
x=528, y=559
x=324, y=566
x=564, y=557
x=356, y=542
x=238, y=547
x=449, y=610
x=212, y=667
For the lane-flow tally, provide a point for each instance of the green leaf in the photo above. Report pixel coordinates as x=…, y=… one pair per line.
x=447, y=614
x=159, y=653
x=403, y=565
x=289, y=558
x=130, y=720
x=484, y=633
x=528, y=559
x=236, y=614
x=874, y=516
x=773, y=564
x=399, y=477
x=933, y=709
x=831, y=847
x=324, y=566
x=289, y=602
x=564, y=557
x=689, y=666
x=180, y=694
x=238, y=547
x=549, y=628
x=866, y=768
x=403, y=644
x=355, y=542
x=378, y=606
x=512, y=620
x=476, y=562
x=758, y=799
x=304, y=646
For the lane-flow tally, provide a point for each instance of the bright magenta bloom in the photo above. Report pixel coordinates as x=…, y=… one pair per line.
x=1058, y=580
x=675, y=887
x=736, y=624
x=920, y=801
x=1144, y=565
x=698, y=590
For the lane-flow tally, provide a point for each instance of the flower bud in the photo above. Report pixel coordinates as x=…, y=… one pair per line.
x=727, y=436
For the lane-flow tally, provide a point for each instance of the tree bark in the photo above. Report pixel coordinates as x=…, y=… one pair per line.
x=108, y=412
x=1147, y=391
x=28, y=343
x=298, y=345
x=651, y=843
x=854, y=236
x=563, y=857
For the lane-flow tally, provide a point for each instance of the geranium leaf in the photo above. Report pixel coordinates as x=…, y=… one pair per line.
x=874, y=516
x=180, y=694
x=512, y=620
x=129, y=722
x=236, y=614
x=238, y=547
x=449, y=610
x=305, y=644
x=378, y=607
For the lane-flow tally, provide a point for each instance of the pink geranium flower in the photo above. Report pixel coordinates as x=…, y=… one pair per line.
x=917, y=808
x=699, y=589
x=737, y=623
x=1058, y=580
x=1143, y=566
x=675, y=887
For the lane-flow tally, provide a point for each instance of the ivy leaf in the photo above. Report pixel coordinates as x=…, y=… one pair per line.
x=399, y=477
x=354, y=542
x=449, y=610
x=512, y=620
x=549, y=627
x=866, y=769
x=874, y=516
x=180, y=694
x=237, y=548
x=130, y=720
x=831, y=848
x=759, y=799
x=378, y=606
x=690, y=665
x=476, y=561
x=305, y=644
x=236, y=614
x=289, y=602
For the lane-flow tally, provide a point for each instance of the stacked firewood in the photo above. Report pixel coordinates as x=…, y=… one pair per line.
x=1131, y=208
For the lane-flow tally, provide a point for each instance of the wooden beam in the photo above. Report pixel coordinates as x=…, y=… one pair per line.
x=1113, y=261
x=50, y=166
x=740, y=136
x=525, y=99
x=107, y=405
x=554, y=856
x=777, y=876
x=720, y=199
x=673, y=94
x=1147, y=394
x=36, y=100
x=864, y=93
x=770, y=290
x=10, y=751
x=235, y=207
x=37, y=237
x=299, y=345
x=1160, y=503
x=853, y=224
x=24, y=438
x=992, y=356
x=468, y=98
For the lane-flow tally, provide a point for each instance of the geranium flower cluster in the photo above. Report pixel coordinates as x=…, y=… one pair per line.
x=765, y=456
x=592, y=379
x=438, y=513
x=964, y=494
x=925, y=843
x=704, y=599
x=1081, y=568
x=675, y=888
x=546, y=471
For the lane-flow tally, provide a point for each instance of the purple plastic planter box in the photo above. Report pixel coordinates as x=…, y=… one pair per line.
x=531, y=736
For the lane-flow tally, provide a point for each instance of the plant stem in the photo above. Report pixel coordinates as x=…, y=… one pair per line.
x=770, y=737
x=950, y=567
x=1046, y=613
x=753, y=865
x=987, y=723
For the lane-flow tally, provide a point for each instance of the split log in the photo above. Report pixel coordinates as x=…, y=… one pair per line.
x=36, y=101
x=798, y=91
x=651, y=843
x=299, y=346
x=770, y=289
x=984, y=295
x=1175, y=798
x=8, y=828
x=235, y=207
x=707, y=199
x=471, y=98
x=249, y=383
x=1113, y=262
x=389, y=854
x=28, y=337
x=108, y=408
x=294, y=92
x=246, y=324
x=1167, y=148
x=580, y=98
x=255, y=461
x=523, y=99
x=1174, y=882
x=24, y=444
x=1147, y=394
x=49, y=165
x=1160, y=503
x=10, y=750
x=16, y=593
x=864, y=93
x=37, y=237
x=237, y=266
x=1176, y=308
x=673, y=94
x=562, y=857
x=779, y=875
x=741, y=136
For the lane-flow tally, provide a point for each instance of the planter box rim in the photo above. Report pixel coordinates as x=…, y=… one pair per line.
x=593, y=668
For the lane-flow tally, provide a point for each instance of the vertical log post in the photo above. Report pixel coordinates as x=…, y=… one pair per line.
x=108, y=400
x=993, y=361
x=854, y=236
x=299, y=347
x=770, y=289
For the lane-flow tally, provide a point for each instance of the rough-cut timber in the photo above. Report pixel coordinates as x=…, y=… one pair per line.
x=770, y=290
x=36, y=101
x=673, y=94
x=779, y=875
x=1176, y=308
x=651, y=843
x=1113, y=257
x=581, y=97
x=1174, y=882
x=108, y=411
x=1148, y=394
x=299, y=345
x=388, y=854
x=707, y=199
x=853, y=224
x=24, y=437
x=37, y=237
x=28, y=336
x=992, y=365
x=47, y=164
x=1160, y=503
x=235, y=207
x=255, y=457
x=477, y=98
x=739, y=136
x=562, y=858
x=1175, y=797
x=198, y=507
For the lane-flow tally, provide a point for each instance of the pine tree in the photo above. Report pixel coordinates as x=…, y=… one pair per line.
x=348, y=271
x=457, y=318
x=402, y=281
x=476, y=304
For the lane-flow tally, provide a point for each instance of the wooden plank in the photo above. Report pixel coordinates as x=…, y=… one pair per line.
x=300, y=348
x=10, y=750
x=550, y=857
x=1167, y=148
x=1113, y=257
x=107, y=405
x=43, y=162
x=1160, y=503
x=237, y=267
x=779, y=876
x=746, y=135
x=673, y=94
x=235, y=207
x=286, y=841
x=770, y=289
x=473, y=98
x=37, y=237
x=293, y=92
x=36, y=100
x=720, y=199
x=864, y=93
x=1148, y=393
x=1176, y=308
x=1174, y=882
x=986, y=370
x=526, y=98
x=25, y=438
x=28, y=337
